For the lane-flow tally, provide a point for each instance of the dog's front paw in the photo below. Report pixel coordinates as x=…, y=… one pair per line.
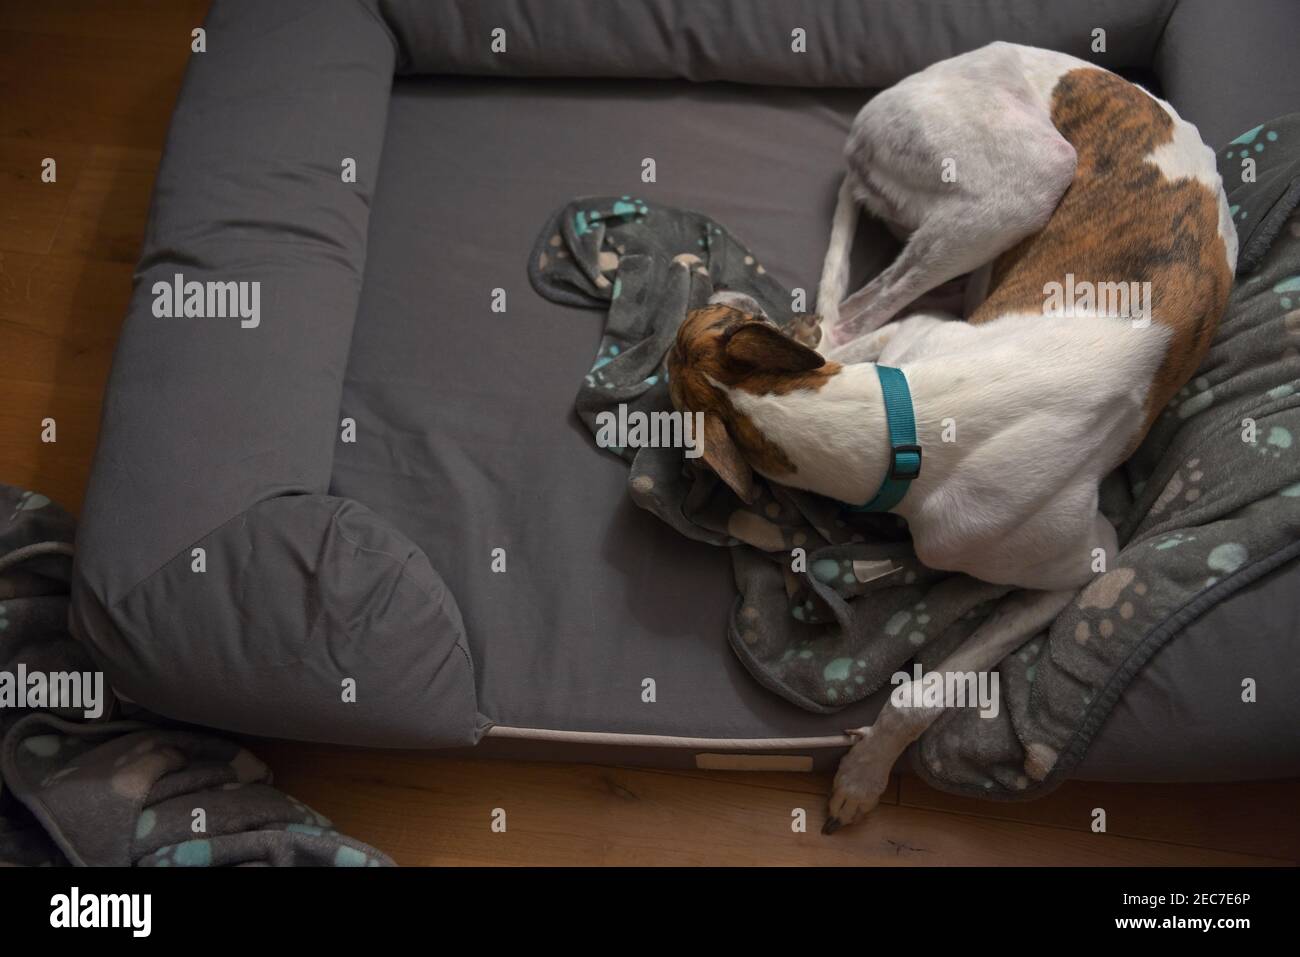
x=806, y=330
x=860, y=780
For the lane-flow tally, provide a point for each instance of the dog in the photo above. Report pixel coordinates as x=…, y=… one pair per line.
x=1033, y=174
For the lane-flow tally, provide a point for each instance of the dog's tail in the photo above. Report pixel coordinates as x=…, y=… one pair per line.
x=835, y=269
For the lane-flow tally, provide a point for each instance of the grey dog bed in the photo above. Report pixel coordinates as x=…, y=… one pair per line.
x=403, y=408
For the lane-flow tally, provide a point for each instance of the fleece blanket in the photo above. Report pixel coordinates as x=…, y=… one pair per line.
x=832, y=603
x=80, y=786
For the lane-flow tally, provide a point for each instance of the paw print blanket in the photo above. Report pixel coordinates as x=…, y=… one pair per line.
x=832, y=603
x=79, y=786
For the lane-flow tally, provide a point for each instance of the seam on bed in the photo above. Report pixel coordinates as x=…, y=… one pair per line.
x=610, y=738
x=399, y=57
x=441, y=601
x=131, y=589
x=1158, y=46
x=460, y=643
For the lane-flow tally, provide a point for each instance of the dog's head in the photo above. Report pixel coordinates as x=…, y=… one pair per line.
x=719, y=349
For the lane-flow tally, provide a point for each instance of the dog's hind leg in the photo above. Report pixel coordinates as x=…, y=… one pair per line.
x=1008, y=173
x=954, y=239
x=864, y=772
x=926, y=261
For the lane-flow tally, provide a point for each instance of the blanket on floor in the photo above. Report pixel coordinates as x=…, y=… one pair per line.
x=833, y=603
x=78, y=786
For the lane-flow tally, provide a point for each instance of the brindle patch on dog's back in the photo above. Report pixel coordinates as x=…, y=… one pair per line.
x=1122, y=220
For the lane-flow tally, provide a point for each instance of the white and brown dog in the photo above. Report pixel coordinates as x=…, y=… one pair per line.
x=1035, y=173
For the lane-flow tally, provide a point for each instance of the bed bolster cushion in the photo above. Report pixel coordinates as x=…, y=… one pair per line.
x=216, y=579
x=849, y=43
x=315, y=620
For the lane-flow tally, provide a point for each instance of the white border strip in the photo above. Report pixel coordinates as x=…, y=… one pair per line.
x=668, y=741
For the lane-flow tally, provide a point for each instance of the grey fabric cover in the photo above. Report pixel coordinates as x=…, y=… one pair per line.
x=228, y=438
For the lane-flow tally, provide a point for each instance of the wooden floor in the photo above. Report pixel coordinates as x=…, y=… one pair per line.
x=92, y=85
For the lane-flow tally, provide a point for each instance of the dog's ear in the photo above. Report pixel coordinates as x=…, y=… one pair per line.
x=721, y=455
x=767, y=348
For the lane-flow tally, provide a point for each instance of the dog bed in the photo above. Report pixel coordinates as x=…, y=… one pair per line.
x=361, y=509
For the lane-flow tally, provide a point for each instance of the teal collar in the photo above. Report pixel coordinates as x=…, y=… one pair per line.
x=905, y=454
